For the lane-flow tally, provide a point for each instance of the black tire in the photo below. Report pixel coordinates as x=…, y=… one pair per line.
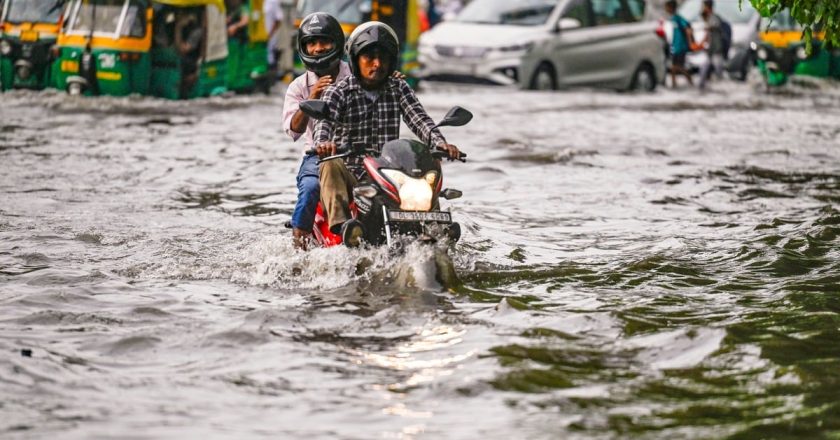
x=743, y=73
x=644, y=78
x=544, y=78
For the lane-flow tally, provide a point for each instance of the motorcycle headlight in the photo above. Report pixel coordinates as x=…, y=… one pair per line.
x=762, y=53
x=415, y=193
x=5, y=47
x=801, y=53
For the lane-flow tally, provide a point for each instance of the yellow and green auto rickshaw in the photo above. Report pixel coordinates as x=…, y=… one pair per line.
x=247, y=68
x=402, y=15
x=27, y=35
x=781, y=52
x=166, y=48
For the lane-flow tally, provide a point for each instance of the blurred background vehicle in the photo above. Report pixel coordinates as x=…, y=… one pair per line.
x=402, y=15
x=744, y=20
x=28, y=33
x=603, y=43
x=782, y=53
x=166, y=48
x=247, y=66
x=546, y=44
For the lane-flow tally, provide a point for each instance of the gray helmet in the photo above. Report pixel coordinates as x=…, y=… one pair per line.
x=373, y=34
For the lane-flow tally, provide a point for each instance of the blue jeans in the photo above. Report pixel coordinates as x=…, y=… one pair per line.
x=309, y=192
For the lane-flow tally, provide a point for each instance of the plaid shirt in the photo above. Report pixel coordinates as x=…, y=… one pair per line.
x=374, y=123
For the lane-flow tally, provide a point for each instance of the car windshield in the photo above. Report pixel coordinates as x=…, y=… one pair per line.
x=39, y=11
x=732, y=11
x=780, y=22
x=101, y=15
x=518, y=13
x=346, y=11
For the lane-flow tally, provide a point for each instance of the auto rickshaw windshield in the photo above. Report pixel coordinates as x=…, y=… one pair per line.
x=345, y=11
x=780, y=22
x=122, y=17
x=517, y=12
x=33, y=11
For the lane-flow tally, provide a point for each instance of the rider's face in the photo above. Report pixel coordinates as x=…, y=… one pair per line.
x=373, y=65
x=318, y=46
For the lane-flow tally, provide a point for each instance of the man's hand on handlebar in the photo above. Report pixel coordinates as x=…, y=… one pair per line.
x=451, y=150
x=326, y=149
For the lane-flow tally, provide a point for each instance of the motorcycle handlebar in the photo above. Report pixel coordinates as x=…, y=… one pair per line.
x=341, y=149
x=346, y=150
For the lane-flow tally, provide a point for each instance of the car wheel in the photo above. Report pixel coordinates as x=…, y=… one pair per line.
x=544, y=78
x=644, y=78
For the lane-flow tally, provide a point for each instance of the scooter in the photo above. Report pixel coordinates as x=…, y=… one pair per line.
x=398, y=190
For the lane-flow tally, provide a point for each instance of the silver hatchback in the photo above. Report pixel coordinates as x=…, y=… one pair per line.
x=600, y=43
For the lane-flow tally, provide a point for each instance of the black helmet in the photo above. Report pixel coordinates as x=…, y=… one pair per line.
x=320, y=25
x=373, y=33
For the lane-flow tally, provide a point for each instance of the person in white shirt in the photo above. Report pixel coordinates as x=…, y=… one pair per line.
x=273, y=13
x=320, y=46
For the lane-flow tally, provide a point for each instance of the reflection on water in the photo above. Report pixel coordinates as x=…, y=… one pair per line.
x=648, y=266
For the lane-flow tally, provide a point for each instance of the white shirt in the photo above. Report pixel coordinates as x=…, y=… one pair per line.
x=299, y=90
x=273, y=13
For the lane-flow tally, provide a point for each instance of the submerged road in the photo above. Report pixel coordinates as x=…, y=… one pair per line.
x=632, y=266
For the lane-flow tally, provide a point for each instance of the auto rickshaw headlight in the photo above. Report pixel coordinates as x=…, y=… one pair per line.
x=762, y=53
x=801, y=53
x=5, y=47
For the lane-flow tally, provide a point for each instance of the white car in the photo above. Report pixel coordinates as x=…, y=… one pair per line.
x=485, y=42
x=547, y=44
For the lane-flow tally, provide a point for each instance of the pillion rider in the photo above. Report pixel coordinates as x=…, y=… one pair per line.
x=320, y=45
x=368, y=104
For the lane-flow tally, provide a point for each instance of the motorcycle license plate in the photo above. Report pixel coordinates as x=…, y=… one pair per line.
x=413, y=216
x=28, y=36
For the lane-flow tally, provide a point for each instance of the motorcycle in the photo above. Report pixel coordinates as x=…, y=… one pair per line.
x=398, y=191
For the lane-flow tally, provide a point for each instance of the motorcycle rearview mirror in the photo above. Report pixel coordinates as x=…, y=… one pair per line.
x=316, y=109
x=450, y=194
x=455, y=117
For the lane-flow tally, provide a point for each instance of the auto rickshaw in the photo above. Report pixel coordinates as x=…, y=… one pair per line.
x=248, y=49
x=781, y=52
x=166, y=48
x=402, y=15
x=28, y=33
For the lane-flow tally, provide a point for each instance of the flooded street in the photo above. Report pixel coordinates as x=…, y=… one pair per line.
x=632, y=266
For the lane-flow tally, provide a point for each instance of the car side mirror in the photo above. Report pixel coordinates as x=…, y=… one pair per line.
x=455, y=117
x=316, y=109
x=568, y=23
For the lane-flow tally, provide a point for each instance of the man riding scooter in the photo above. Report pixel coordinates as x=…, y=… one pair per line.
x=368, y=104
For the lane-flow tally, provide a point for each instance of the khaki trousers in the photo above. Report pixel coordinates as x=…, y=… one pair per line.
x=336, y=188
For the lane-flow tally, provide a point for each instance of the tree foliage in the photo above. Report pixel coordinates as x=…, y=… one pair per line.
x=822, y=15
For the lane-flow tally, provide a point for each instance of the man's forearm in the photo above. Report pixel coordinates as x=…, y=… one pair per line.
x=299, y=122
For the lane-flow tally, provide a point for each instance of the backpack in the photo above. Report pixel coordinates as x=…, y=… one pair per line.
x=725, y=36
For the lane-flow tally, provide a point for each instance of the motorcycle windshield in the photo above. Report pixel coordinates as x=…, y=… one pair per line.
x=33, y=11
x=411, y=157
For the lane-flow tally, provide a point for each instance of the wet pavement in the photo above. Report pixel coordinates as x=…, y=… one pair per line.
x=632, y=266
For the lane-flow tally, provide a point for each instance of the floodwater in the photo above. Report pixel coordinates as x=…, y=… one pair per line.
x=632, y=266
